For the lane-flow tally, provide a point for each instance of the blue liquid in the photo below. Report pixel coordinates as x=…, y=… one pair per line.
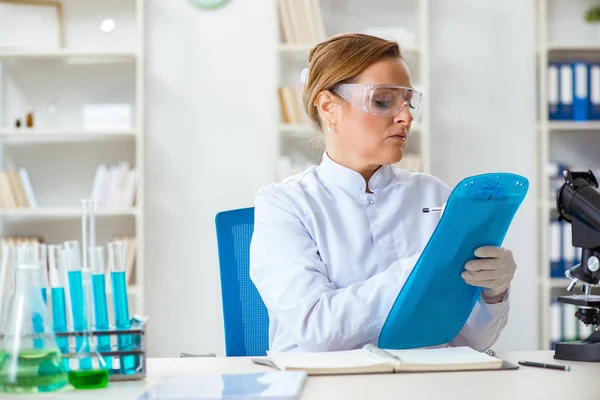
x=76, y=289
x=59, y=320
x=38, y=323
x=121, y=305
x=101, y=314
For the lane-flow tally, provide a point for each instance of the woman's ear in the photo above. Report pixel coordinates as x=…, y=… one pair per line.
x=326, y=104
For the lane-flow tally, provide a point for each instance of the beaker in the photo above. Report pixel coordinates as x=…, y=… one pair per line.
x=24, y=367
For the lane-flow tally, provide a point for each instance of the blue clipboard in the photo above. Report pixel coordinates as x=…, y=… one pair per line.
x=435, y=302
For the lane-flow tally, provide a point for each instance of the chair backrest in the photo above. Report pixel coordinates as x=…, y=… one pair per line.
x=244, y=313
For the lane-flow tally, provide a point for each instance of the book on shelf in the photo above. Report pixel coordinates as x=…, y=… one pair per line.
x=573, y=91
x=371, y=359
x=290, y=102
x=130, y=258
x=114, y=186
x=301, y=21
x=16, y=190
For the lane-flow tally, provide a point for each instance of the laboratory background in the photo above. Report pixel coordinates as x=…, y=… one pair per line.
x=167, y=112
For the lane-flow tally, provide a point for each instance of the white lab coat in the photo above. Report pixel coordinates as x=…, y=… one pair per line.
x=329, y=259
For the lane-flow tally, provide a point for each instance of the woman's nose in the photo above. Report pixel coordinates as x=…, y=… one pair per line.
x=403, y=115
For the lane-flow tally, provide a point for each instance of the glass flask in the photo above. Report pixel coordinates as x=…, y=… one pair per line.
x=7, y=282
x=24, y=366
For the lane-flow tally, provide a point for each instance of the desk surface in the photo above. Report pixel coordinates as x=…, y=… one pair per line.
x=524, y=383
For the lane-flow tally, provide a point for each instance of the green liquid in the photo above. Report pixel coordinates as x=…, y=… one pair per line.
x=89, y=379
x=32, y=371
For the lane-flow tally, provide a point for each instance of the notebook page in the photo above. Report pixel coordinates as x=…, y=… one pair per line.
x=326, y=360
x=447, y=355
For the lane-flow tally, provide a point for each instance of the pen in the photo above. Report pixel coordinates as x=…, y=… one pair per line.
x=432, y=209
x=543, y=365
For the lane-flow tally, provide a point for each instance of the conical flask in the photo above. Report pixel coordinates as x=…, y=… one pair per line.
x=25, y=367
x=7, y=283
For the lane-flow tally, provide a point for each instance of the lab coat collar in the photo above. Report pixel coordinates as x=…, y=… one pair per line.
x=350, y=180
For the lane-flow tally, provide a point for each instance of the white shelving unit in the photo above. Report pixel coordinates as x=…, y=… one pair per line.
x=60, y=154
x=562, y=35
x=332, y=17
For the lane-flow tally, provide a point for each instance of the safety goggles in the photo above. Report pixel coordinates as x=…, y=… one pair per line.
x=382, y=100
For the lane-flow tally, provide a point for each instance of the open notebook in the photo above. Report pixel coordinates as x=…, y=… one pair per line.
x=371, y=359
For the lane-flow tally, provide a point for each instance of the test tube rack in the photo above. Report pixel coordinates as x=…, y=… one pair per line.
x=136, y=331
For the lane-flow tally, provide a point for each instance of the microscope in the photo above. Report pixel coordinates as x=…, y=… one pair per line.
x=578, y=202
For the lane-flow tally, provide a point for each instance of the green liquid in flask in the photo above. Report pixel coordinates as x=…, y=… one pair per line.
x=32, y=371
x=89, y=379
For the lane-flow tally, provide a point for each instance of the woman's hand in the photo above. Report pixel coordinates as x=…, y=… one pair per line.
x=494, y=271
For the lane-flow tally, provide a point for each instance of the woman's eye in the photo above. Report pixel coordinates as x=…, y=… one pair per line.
x=382, y=103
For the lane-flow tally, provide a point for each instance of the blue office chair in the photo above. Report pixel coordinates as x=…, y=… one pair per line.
x=244, y=313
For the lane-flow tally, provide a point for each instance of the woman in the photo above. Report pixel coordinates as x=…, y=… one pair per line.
x=333, y=245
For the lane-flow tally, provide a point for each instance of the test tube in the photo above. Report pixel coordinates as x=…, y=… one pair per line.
x=73, y=265
x=56, y=272
x=116, y=262
x=97, y=266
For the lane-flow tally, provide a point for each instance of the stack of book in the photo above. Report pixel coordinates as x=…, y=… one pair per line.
x=290, y=102
x=16, y=189
x=574, y=91
x=114, y=186
x=130, y=252
x=301, y=21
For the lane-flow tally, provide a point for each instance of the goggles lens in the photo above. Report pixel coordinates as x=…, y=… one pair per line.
x=389, y=101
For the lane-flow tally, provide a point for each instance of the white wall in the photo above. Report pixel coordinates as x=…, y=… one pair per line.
x=483, y=120
x=208, y=148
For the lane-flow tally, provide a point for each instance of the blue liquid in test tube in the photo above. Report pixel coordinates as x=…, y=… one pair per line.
x=56, y=273
x=73, y=259
x=97, y=266
x=116, y=260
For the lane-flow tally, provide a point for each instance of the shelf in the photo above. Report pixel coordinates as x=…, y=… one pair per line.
x=560, y=283
x=574, y=125
x=64, y=135
x=63, y=212
x=90, y=56
x=573, y=47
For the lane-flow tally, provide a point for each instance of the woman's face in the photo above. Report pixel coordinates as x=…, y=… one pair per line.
x=369, y=139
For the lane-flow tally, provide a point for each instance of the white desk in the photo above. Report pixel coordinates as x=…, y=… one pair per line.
x=524, y=383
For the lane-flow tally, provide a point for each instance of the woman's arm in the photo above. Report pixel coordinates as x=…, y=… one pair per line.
x=484, y=325
x=292, y=280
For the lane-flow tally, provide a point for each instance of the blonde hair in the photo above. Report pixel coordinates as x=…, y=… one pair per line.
x=340, y=59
